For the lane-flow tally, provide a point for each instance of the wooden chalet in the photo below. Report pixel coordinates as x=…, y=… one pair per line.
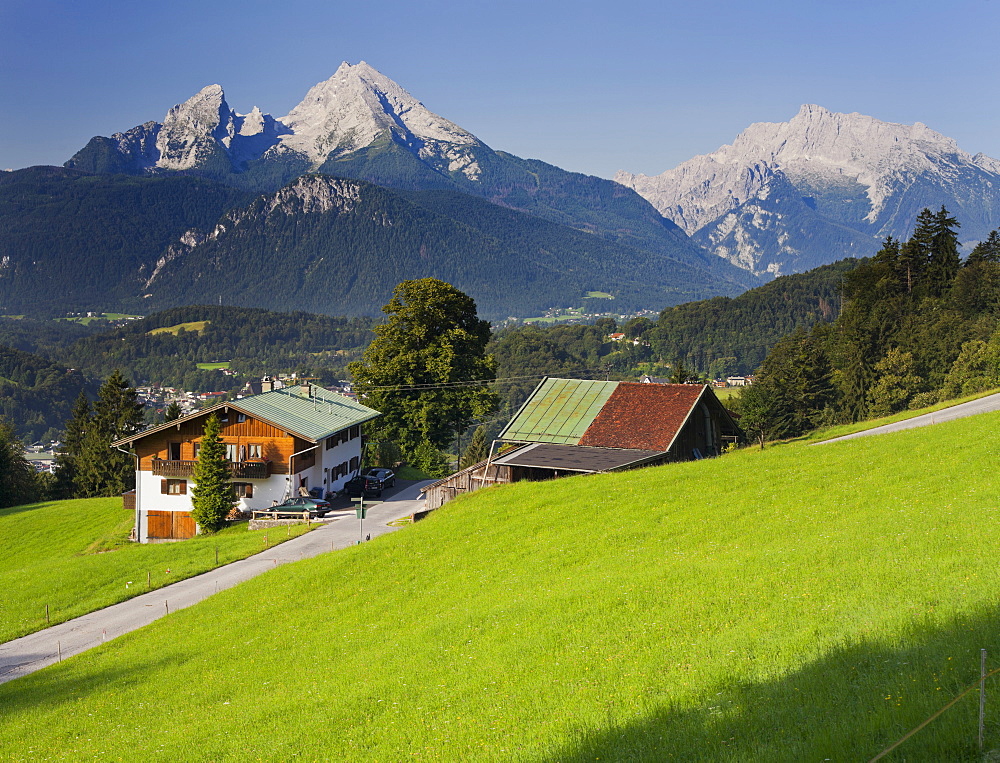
x=278, y=443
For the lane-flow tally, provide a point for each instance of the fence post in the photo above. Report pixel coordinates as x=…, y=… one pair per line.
x=982, y=695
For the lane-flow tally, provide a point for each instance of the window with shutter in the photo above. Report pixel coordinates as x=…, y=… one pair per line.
x=173, y=487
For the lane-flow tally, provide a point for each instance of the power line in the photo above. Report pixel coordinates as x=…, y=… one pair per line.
x=471, y=383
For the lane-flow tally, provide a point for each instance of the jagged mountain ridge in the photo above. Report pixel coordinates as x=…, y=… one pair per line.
x=341, y=115
x=315, y=238
x=119, y=243
x=788, y=196
x=361, y=124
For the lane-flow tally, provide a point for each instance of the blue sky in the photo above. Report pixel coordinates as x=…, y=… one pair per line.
x=589, y=86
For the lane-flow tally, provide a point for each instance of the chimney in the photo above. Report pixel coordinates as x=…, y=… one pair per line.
x=306, y=389
x=266, y=385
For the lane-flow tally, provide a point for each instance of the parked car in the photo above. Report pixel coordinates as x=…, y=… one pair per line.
x=371, y=482
x=316, y=507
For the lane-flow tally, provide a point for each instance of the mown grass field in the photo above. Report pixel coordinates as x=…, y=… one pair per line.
x=88, y=319
x=213, y=366
x=198, y=326
x=797, y=603
x=75, y=557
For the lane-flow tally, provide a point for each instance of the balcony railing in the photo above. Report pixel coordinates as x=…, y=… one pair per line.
x=248, y=470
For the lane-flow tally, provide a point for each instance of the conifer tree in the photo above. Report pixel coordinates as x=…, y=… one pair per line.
x=71, y=450
x=794, y=385
x=102, y=469
x=478, y=450
x=18, y=482
x=985, y=251
x=912, y=264
x=212, y=494
x=943, y=260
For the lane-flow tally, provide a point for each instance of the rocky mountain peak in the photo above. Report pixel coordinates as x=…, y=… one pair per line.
x=191, y=129
x=356, y=106
x=845, y=169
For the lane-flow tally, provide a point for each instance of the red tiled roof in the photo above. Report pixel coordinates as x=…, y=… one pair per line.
x=642, y=416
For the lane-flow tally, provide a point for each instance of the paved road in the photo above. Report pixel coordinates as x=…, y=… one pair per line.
x=982, y=405
x=35, y=651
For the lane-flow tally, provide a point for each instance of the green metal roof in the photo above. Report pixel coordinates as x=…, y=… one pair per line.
x=559, y=411
x=311, y=417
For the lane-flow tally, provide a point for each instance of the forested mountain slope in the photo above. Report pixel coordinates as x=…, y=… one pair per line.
x=339, y=246
x=37, y=395
x=254, y=341
x=71, y=241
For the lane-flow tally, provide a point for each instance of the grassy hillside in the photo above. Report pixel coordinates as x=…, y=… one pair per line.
x=800, y=603
x=75, y=557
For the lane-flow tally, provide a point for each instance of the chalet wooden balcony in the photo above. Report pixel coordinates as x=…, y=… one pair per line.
x=247, y=470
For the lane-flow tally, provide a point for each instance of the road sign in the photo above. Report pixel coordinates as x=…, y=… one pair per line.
x=362, y=512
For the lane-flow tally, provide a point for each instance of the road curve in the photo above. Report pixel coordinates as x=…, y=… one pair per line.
x=960, y=411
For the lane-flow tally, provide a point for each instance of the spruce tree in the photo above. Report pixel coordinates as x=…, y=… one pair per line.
x=478, y=450
x=68, y=457
x=18, y=482
x=102, y=469
x=212, y=494
x=943, y=261
x=985, y=251
x=795, y=385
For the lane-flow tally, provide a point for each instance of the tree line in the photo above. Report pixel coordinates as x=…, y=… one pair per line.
x=86, y=464
x=918, y=326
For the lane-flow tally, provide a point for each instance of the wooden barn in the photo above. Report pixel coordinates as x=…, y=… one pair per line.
x=574, y=426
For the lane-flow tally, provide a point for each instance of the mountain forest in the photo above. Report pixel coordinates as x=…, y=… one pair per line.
x=918, y=325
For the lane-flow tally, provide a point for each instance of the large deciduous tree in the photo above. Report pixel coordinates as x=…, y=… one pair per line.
x=427, y=370
x=212, y=494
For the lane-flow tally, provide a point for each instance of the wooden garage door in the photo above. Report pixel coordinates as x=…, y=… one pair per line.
x=172, y=525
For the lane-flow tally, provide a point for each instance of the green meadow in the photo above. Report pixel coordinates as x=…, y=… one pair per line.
x=87, y=320
x=197, y=326
x=796, y=603
x=213, y=366
x=75, y=557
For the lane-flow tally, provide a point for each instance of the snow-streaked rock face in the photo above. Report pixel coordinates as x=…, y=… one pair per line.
x=358, y=105
x=204, y=127
x=854, y=170
x=352, y=110
x=307, y=195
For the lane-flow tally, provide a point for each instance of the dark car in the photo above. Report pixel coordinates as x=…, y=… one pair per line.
x=371, y=482
x=316, y=507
